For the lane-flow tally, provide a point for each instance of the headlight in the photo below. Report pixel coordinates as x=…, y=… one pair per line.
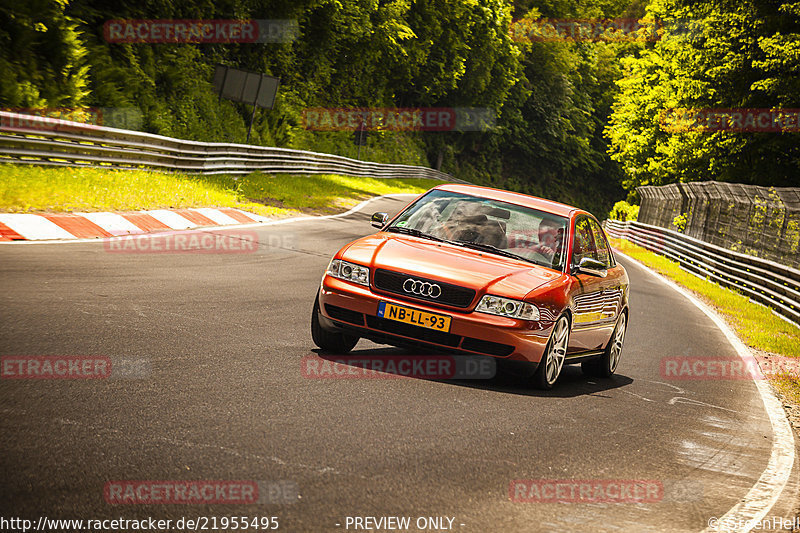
x=494, y=305
x=349, y=272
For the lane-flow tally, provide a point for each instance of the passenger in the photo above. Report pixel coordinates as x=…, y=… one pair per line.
x=468, y=222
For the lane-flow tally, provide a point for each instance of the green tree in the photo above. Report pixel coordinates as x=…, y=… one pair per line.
x=42, y=58
x=716, y=54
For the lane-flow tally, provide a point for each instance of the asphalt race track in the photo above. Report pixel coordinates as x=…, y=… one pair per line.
x=221, y=396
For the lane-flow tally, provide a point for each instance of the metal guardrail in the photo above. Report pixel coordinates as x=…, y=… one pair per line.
x=31, y=139
x=766, y=282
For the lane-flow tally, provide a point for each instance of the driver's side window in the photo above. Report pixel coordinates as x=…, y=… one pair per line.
x=583, y=245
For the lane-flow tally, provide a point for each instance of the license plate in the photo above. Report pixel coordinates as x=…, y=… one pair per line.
x=414, y=316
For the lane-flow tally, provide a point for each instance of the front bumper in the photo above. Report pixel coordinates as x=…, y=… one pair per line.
x=354, y=308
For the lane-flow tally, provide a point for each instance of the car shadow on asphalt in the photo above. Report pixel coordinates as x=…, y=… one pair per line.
x=572, y=382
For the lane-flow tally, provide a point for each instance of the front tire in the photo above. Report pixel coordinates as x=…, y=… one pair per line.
x=329, y=341
x=605, y=365
x=554, y=354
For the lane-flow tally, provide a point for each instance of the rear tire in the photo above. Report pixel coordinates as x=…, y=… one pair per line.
x=605, y=365
x=329, y=341
x=553, y=358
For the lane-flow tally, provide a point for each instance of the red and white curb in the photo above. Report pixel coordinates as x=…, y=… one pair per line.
x=63, y=226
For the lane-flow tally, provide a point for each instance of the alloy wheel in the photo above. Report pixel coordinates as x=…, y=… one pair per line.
x=558, y=350
x=617, y=342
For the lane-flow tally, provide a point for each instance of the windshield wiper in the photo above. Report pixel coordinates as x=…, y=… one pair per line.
x=493, y=249
x=415, y=233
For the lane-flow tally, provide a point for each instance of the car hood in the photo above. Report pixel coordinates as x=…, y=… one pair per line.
x=482, y=271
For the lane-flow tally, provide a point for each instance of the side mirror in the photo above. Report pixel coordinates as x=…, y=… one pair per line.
x=590, y=266
x=379, y=219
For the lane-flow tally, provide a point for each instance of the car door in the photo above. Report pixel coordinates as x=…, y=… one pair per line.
x=588, y=303
x=613, y=285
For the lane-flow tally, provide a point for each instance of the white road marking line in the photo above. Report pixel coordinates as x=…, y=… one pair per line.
x=765, y=493
x=636, y=395
x=680, y=399
x=680, y=390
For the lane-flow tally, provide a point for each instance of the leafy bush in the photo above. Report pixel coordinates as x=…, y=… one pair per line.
x=623, y=211
x=680, y=222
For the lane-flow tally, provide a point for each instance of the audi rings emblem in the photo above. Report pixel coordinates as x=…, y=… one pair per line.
x=422, y=288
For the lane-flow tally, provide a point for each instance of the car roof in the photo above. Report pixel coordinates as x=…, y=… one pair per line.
x=524, y=200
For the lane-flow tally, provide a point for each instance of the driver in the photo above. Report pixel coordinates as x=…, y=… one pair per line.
x=550, y=239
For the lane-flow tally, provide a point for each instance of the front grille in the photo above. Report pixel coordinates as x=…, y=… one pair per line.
x=453, y=295
x=345, y=315
x=415, y=332
x=487, y=347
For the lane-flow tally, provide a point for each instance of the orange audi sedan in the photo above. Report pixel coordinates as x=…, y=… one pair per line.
x=476, y=270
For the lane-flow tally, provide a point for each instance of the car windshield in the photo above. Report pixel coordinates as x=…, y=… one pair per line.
x=488, y=225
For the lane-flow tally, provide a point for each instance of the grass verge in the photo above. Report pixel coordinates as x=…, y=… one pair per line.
x=756, y=325
x=31, y=189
